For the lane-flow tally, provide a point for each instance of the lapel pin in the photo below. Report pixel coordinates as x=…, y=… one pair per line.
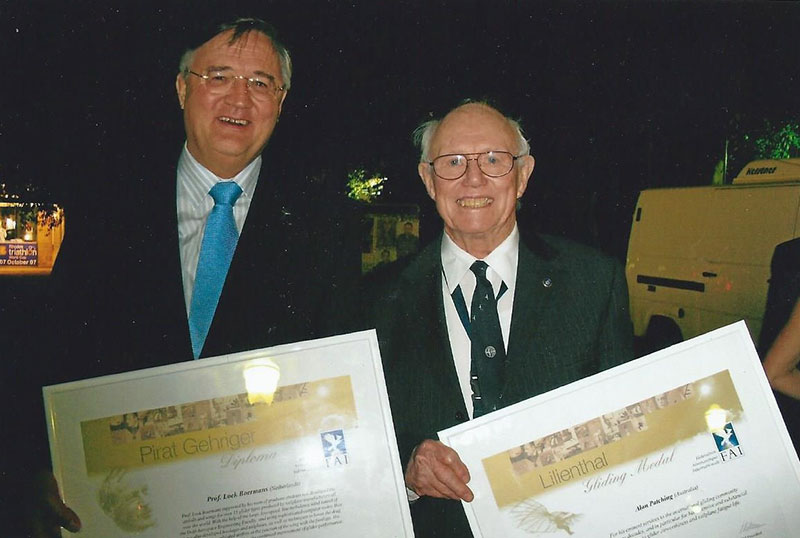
x=547, y=282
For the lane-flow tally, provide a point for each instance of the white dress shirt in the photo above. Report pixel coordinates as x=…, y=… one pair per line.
x=194, y=204
x=502, y=262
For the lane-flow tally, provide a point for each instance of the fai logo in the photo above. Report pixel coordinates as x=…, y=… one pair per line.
x=727, y=443
x=334, y=448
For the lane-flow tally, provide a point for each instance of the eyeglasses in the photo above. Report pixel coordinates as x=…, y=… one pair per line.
x=220, y=82
x=492, y=163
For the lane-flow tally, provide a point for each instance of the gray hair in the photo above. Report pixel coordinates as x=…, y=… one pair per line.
x=423, y=135
x=242, y=27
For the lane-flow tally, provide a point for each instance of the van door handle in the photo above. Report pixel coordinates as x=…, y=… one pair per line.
x=709, y=274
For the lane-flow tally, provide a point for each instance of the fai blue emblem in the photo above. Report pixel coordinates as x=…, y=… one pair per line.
x=727, y=443
x=726, y=439
x=333, y=443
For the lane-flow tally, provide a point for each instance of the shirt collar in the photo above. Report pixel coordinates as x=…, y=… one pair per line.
x=502, y=260
x=195, y=180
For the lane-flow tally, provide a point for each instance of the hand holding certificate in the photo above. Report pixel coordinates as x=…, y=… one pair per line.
x=685, y=442
x=435, y=469
x=296, y=439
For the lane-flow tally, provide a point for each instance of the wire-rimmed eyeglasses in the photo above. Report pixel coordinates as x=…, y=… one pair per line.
x=220, y=82
x=491, y=163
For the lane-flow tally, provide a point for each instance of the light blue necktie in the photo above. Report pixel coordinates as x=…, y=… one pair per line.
x=216, y=253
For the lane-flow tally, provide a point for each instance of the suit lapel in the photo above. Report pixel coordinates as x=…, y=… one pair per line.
x=437, y=335
x=154, y=285
x=271, y=272
x=534, y=301
x=430, y=323
x=174, y=273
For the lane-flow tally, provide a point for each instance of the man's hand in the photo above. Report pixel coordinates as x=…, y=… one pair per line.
x=46, y=512
x=436, y=470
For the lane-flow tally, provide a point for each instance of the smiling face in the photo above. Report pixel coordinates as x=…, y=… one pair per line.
x=479, y=211
x=226, y=132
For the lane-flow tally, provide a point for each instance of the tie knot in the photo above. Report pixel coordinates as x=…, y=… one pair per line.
x=479, y=268
x=225, y=192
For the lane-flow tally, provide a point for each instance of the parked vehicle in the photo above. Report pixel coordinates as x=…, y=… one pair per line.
x=699, y=257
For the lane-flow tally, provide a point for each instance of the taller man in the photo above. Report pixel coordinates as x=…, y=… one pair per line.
x=559, y=309
x=130, y=270
x=142, y=265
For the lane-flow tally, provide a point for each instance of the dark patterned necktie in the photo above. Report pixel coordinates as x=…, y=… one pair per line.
x=487, y=351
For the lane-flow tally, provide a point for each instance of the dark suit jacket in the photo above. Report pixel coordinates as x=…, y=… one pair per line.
x=117, y=296
x=120, y=287
x=115, y=300
x=574, y=327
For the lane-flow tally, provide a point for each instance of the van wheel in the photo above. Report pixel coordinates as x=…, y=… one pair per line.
x=661, y=333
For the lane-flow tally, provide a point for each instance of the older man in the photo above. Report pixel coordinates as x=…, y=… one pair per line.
x=484, y=318
x=201, y=257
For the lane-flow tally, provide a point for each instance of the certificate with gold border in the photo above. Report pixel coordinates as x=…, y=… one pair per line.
x=295, y=440
x=687, y=442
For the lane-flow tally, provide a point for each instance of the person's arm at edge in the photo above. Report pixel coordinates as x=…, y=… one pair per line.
x=781, y=361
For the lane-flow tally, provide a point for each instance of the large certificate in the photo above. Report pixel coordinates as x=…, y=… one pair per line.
x=685, y=442
x=293, y=440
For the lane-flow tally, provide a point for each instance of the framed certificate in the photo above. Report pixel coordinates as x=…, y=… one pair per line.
x=685, y=442
x=293, y=440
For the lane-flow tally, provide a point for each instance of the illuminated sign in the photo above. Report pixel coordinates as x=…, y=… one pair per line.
x=19, y=254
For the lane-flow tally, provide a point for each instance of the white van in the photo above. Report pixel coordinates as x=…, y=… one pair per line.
x=699, y=257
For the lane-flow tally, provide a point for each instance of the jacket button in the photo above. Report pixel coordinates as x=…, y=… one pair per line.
x=460, y=415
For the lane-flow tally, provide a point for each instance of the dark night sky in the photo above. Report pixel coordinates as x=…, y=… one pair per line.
x=615, y=96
